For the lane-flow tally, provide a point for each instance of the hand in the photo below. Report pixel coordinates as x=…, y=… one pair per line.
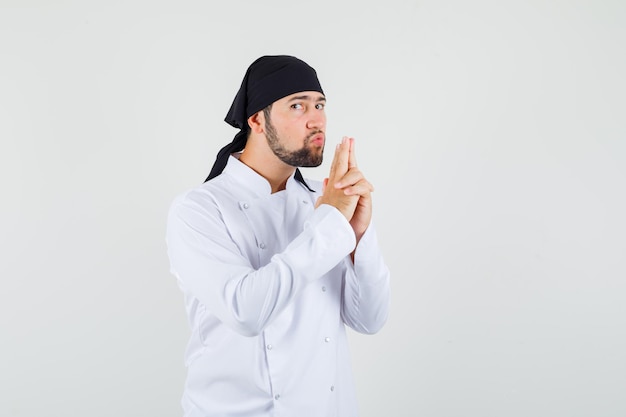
x=363, y=211
x=334, y=196
x=349, y=191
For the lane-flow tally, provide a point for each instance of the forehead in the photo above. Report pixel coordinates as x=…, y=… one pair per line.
x=313, y=96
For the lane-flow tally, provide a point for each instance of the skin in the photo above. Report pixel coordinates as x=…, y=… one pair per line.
x=296, y=127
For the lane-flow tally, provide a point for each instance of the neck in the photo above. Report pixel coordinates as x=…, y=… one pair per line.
x=263, y=161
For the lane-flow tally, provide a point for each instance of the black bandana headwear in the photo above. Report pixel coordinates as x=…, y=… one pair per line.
x=268, y=79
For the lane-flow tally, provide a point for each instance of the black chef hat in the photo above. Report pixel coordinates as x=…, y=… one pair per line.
x=267, y=79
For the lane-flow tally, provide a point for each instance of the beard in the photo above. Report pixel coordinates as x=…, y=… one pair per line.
x=304, y=157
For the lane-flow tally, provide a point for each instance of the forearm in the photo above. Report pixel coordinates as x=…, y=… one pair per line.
x=367, y=287
x=248, y=299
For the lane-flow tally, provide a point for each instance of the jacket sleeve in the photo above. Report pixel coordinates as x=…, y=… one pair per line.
x=366, y=290
x=210, y=267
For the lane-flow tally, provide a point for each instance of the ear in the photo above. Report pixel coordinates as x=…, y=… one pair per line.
x=256, y=122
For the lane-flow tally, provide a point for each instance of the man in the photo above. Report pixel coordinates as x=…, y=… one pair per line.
x=272, y=267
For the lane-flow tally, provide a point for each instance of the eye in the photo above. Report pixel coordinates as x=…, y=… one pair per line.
x=320, y=106
x=297, y=106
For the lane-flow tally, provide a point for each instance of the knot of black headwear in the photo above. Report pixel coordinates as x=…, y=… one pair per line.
x=268, y=79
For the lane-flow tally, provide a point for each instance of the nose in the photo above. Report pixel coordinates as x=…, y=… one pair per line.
x=317, y=120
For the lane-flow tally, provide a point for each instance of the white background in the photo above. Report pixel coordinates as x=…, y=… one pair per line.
x=494, y=132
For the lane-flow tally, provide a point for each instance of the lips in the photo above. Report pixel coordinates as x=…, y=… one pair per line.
x=317, y=139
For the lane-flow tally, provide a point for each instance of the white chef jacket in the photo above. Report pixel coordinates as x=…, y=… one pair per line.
x=268, y=285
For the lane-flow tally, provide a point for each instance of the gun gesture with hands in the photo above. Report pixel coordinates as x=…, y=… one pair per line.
x=347, y=190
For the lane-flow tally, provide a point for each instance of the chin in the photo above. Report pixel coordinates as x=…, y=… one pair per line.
x=313, y=164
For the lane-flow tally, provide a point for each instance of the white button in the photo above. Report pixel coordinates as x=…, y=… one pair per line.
x=269, y=347
x=327, y=339
x=246, y=205
x=262, y=245
x=277, y=396
x=332, y=387
x=324, y=289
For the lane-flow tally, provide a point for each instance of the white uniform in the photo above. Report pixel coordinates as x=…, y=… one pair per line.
x=268, y=285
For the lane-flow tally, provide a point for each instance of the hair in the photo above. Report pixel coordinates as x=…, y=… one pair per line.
x=266, y=112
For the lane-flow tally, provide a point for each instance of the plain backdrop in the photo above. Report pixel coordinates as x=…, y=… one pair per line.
x=494, y=132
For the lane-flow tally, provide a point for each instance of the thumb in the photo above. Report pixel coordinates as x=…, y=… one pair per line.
x=324, y=184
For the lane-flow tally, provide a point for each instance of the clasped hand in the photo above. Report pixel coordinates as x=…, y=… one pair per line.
x=347, y=190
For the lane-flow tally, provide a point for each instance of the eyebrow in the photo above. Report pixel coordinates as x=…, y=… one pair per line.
x=305, y=97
